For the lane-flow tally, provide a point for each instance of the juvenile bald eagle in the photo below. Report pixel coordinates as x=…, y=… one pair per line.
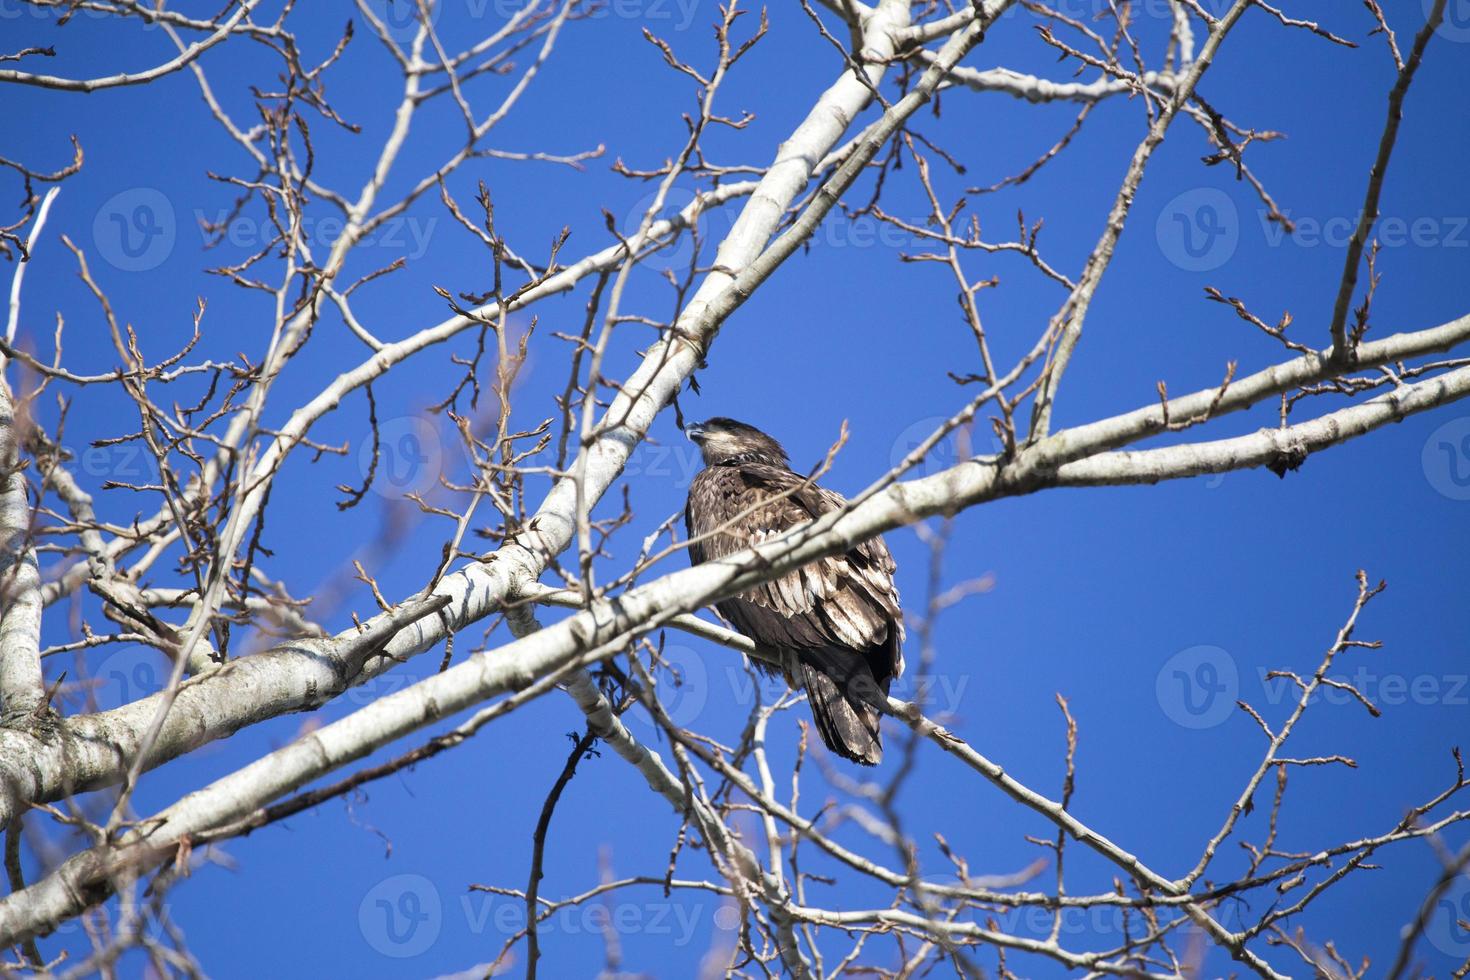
x=836, y=622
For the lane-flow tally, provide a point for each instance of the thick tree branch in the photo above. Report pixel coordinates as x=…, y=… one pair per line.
x=22, y=687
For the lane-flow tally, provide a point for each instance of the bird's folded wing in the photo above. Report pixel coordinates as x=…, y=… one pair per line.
x=846, y=599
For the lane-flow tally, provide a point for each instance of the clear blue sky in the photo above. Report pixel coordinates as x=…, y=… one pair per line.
x=1151, y=609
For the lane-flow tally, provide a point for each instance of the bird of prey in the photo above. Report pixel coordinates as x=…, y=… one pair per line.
x=836, y=622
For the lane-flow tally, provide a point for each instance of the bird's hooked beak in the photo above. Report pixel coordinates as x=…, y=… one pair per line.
x=694, y=431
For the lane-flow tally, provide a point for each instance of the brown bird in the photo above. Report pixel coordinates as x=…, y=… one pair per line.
x=836, y=622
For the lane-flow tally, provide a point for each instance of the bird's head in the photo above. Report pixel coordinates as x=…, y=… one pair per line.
x=721, y=439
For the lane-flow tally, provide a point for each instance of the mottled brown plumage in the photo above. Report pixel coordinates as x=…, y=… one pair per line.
x=836, y=622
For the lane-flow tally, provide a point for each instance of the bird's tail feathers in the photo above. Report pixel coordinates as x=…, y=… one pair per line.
x=844, y=697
